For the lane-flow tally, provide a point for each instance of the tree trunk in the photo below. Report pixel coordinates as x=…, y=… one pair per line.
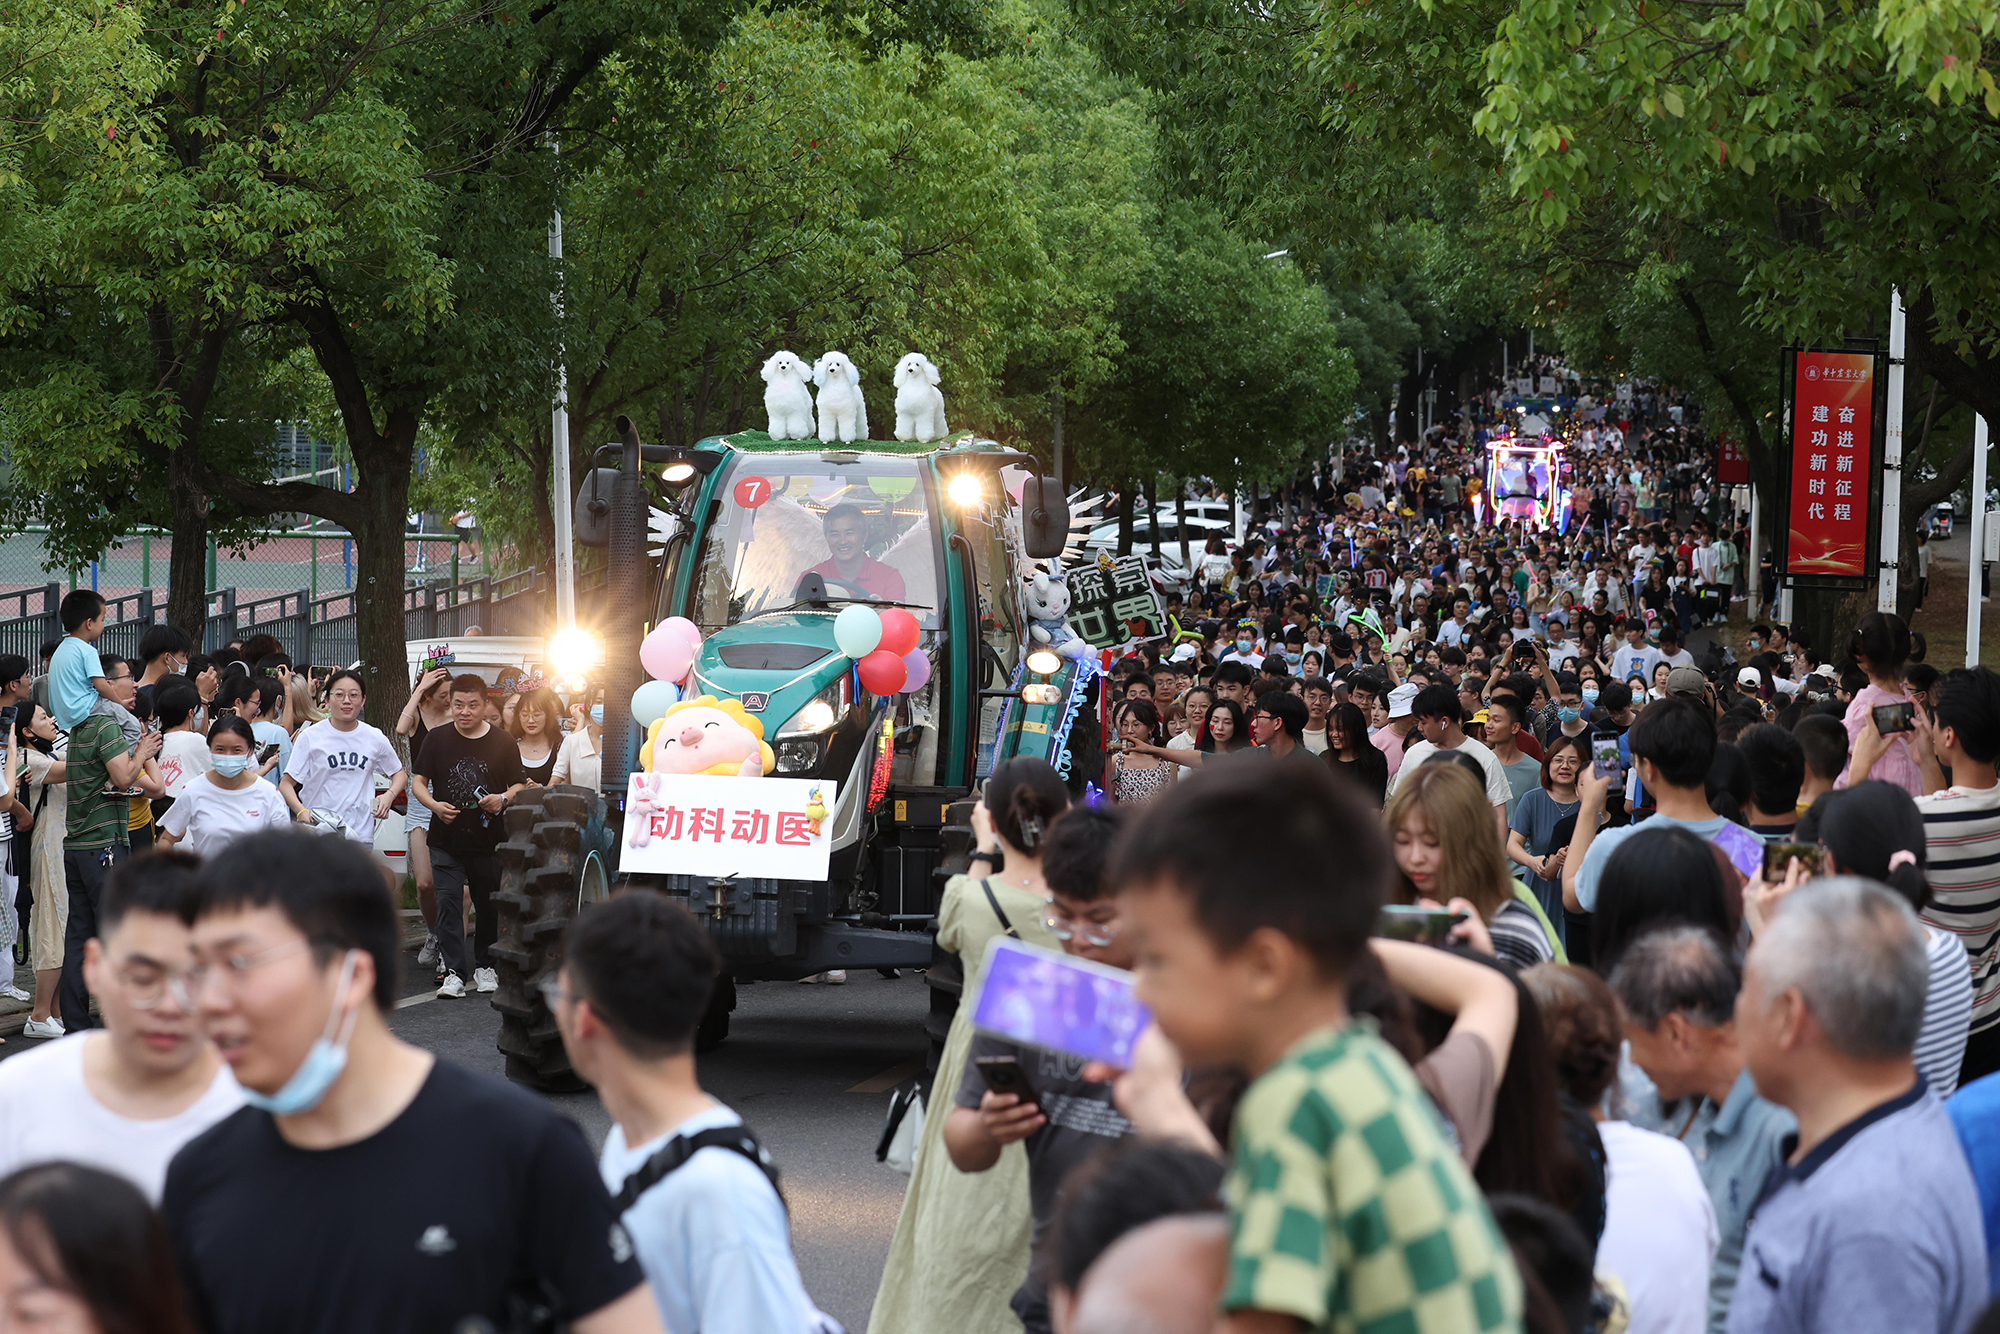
x=381, y=630
x=1125, y=491
x=187, y=561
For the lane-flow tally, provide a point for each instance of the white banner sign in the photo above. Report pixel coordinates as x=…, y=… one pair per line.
x=708, y=824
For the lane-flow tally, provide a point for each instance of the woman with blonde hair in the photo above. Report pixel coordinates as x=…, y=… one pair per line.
x=301, y=710
x=1450, y=853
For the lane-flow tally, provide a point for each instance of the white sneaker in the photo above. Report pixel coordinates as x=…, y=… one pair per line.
x=485, y=979
x=12, y=992
x=451, y=988
x=838, y=977
x=429, y=953
x=50, y=1027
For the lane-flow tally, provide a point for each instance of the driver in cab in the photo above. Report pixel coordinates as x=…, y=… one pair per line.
x=846, y=528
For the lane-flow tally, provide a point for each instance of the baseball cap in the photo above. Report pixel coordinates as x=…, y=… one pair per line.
x=1750, y=678
x=1401, y=698
x=1686, y=681
x=1184, y=653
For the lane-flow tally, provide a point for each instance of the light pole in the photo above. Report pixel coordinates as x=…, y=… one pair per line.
x=565, y=552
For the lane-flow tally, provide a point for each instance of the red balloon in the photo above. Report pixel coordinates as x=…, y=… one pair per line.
x=899, y=631
x=883, y=672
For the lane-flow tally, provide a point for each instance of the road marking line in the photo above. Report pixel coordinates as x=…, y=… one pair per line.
x=889, y=1078
x=418, y=999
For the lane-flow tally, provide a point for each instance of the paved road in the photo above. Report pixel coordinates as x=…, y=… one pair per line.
x=810, y=1069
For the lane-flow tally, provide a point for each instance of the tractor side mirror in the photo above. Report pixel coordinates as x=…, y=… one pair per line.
x=591, y=517
x=1044, y=518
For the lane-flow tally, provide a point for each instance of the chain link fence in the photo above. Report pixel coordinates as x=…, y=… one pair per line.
x=319, y=561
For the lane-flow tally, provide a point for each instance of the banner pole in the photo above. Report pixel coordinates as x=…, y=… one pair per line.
x=1975, y=561
x=1892, y=462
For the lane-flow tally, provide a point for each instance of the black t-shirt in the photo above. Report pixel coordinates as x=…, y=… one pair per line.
x=457, y=767
x=1081, y=1121
x=476, y=1193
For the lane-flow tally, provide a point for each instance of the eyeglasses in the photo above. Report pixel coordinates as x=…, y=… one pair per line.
x=146, y=985
x=234, y=966
x=1064, y=927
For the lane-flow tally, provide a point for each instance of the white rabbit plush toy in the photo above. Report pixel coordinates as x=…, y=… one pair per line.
x=919, y=405
x=843, y=412
x=787, y=399
x=1045, y=600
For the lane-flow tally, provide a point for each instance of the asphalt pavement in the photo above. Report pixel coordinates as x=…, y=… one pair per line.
x=810, y=1069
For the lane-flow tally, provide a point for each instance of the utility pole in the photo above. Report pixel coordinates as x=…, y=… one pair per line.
x=1975, y=562
x=565, y=552
x=1892, y=462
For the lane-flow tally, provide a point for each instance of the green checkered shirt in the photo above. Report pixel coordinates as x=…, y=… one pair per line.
x=1348, y=1207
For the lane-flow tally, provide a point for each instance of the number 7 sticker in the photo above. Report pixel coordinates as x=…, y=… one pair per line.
x=753, y=491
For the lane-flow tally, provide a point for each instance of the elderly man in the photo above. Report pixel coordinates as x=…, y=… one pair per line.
x=1873, y=1223
x=1677, y=986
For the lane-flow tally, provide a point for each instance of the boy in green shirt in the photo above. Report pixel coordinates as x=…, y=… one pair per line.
x=1349, y=1210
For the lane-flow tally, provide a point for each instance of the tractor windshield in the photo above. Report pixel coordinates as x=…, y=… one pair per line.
x=864, y=528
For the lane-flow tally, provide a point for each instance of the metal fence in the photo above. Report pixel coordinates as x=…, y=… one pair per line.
x=320, y=560
x=320, y=631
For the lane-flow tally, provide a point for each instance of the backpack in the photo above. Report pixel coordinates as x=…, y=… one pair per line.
x=674, y=1154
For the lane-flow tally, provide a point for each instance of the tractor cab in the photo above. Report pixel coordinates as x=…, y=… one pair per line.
x=763, y=549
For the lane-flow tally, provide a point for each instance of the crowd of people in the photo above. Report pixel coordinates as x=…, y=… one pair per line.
x=1496, y=979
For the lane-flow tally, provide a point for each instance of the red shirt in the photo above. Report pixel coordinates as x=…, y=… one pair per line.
x=876, y=579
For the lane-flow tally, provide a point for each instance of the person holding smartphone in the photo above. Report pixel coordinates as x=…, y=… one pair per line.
x=1880, y=646
x=1060, y=1117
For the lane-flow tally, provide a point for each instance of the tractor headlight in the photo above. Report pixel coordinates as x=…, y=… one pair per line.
x=573, y=652
x=821, y=714
x=797, y=755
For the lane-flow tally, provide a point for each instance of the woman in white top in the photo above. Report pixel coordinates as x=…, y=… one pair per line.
x=1660, y=1234
x=42, y=749
x=578, y=762
x=228, y=801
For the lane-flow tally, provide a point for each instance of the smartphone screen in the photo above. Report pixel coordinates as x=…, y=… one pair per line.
x=1892, y=717
x=1778, y=856
x=1426, y=926
x=1039, y=998
x=1604, y=756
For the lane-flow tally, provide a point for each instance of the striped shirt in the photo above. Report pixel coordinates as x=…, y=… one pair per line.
x=1962, y=833
x=1947, y=1013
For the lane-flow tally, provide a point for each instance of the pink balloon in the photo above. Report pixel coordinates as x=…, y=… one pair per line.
x=665, y=655
x=918, y=669
x=686, y=629
x=883, y=672
x=899, y=631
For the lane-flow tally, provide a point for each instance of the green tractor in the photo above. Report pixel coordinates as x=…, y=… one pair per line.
x=762, y=543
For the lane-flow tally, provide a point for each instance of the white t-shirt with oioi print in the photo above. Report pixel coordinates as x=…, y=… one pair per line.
x=336, y=770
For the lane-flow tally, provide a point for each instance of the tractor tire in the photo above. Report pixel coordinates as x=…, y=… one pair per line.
x=552, y=863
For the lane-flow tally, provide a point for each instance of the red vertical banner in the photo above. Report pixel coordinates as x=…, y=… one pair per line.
x=1732, y=465
x=1833, y=465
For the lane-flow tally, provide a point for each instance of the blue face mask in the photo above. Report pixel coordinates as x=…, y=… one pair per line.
x=1294, y=658
x=229, y=766
x=322, y=1065
x=1568, y=715
x=597, y=714
x=1590, y=694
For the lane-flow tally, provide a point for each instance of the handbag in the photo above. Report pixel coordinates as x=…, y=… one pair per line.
x=903, y=1129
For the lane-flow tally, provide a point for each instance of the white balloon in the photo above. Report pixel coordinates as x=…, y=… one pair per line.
x=857, y=630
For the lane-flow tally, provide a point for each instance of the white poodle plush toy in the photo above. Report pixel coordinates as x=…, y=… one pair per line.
x=919, y=405
x=843, y=412
x=787, y=399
